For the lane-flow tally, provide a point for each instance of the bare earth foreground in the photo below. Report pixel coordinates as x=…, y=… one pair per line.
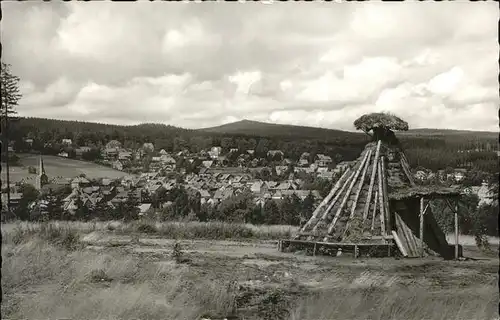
x=115, y=275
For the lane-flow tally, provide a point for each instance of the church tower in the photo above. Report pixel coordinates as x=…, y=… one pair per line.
x=42, y=178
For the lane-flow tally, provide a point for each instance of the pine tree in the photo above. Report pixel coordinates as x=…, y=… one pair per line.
x=9, y=90
x=130, y=210
x=82, y=211
x=102, y=210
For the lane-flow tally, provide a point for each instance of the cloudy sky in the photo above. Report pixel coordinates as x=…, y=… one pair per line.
x=202, y=64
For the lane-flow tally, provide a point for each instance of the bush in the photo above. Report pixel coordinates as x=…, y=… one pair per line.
x=177, y=252
x=147, y=227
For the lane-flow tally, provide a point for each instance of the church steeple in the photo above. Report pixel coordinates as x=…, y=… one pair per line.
x=42, y=178
x=41, y=170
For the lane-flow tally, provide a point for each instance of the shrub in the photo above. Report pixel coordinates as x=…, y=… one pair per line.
x=177, y=252
x=147, y=227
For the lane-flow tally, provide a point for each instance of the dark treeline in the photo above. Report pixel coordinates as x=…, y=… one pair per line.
x=436, y=151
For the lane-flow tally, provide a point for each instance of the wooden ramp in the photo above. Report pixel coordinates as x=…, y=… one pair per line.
x=409, y=243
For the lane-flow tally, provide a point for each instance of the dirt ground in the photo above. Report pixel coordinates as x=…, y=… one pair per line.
x=262, y=283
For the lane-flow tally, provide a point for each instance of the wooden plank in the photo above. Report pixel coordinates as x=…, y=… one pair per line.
x=324, y=202
x=406, y=237
x=374, y=211
x=411, y=238
x=347, y=194
x=336, y=244
x=401, y=248
x=381, y=199
x=372, y=181
x=386, y=200
x=406, y=167
x=358, y=192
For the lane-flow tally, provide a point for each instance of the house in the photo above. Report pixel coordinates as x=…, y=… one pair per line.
x=322, y=170
x=113, y=144
x=303, y=162
x=281, y=169
x=215, y=152
x=166, y=159
x=109, y=153
x=420, y=175
x=259, y=187
x=328, y=175
x=342, y=166
x=222, y=161
x=29, y=142
x=275, y=153
x=254, y=162
x=117, y=165
x=67, y=142
x=223, y=193
x=204, y=195
x=148, y=147
x=124, y=155
x=323, y=160
x=145, y=209
x=271, y=185
x=79, y=182
x=459, y=174
x=80, y=151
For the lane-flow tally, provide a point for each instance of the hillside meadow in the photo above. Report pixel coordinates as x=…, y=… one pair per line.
x=58, y=167
x=146, y=270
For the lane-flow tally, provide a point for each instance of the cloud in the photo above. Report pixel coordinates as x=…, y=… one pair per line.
x=434, y=64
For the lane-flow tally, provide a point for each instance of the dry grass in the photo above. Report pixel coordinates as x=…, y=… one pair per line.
x=395, y=304
x=43, y=278
x=172, y=230
x=42, y=281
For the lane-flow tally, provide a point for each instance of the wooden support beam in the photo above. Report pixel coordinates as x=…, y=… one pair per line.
x=374, y=211
x=454, y=209
x=421, y=227
x=332, y=203
x=381, y=200
x=324, y=202
x=399, y=244
x=406, y=166
x=358, y=192
x=372, y=181
x=386, y=200
x=347, y=194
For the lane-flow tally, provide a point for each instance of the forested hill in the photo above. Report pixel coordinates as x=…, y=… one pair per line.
x=248, y=127
x=430, y=148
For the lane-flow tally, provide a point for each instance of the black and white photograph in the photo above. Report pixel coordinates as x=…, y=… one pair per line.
x=278, y=160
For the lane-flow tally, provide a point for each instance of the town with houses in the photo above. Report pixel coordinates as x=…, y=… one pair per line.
x=214, y=179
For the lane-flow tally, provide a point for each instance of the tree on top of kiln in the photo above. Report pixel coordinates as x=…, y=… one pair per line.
x=382, y=124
